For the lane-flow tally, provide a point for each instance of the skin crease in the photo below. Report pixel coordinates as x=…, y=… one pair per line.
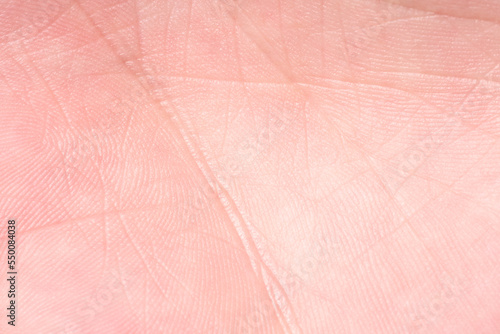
x=252, y=166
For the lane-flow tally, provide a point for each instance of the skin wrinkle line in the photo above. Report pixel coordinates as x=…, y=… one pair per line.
x=441, y=76
x=47, y=86
x=442, y=111
x=448, y=189
x=32, y=29
x=458, y=194
x=347, y=57
x=255, y=35
x=405, y=222
x=275, y=303
x=206, y=171
x=420, y=9
x=249, y=242
x=262, y=257
x=279, y=309
x=367, y=37
x=189, y=145
x=264, y=273
x=290, y=78
x=488, y=75
x=241, y=228
x=448, y=186
x=379, y=25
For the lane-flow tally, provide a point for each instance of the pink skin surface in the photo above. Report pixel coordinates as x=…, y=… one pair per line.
x=251, y=166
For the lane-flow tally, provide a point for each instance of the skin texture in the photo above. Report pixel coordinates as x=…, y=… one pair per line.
x=223, y=166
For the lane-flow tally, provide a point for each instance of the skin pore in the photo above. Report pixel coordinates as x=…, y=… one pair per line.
x=237, y=166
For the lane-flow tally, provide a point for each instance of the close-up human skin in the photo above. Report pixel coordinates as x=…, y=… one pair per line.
x=250, y=166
